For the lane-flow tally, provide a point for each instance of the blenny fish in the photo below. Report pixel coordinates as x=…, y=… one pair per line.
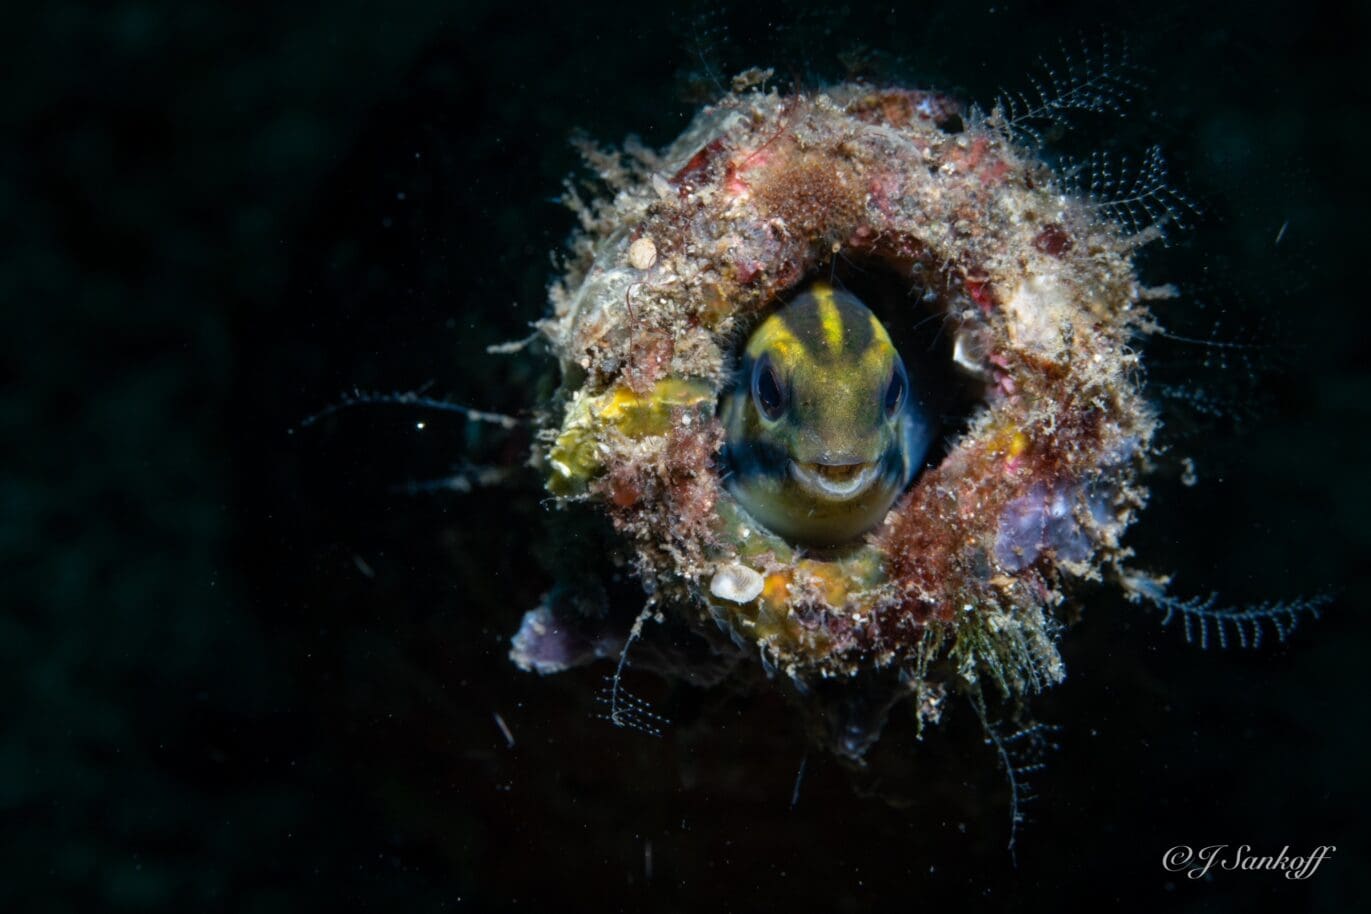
x=823, y=429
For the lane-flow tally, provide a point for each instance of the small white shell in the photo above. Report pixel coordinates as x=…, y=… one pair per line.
x=736, y=583
x=642, y=254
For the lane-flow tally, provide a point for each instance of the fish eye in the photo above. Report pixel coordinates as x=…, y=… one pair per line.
x=767, y=390
x=895, y=391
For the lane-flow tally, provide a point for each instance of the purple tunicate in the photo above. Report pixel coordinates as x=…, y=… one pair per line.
x=1100, y=504
x=1041, y=519
x=548, y=644
x=1020, y=535
x=1062, y=534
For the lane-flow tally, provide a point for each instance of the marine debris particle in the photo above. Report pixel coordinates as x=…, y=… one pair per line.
x=698, y=243
x=642, y=254
x=737, y=584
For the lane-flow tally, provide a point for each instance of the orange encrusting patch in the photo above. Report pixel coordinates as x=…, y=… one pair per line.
x=776, y=591
x=1009, y=443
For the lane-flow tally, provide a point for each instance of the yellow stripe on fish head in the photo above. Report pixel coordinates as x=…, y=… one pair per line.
x=830, y=318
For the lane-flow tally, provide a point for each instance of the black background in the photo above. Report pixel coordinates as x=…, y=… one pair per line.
x=242, y=673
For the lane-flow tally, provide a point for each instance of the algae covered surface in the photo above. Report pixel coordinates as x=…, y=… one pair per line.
x=250, y=667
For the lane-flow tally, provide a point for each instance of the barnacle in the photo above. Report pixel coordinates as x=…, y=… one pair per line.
x=1033, y=285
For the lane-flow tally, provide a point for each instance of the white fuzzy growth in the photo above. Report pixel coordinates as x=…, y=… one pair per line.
x=736, y=583
x=1039, y=309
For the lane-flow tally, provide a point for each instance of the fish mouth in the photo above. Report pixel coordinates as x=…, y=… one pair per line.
x=835, y=482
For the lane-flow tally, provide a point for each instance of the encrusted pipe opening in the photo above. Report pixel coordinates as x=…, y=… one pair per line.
x=726, y=442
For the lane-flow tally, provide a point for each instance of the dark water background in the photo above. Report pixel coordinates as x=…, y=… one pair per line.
x=241, y=674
